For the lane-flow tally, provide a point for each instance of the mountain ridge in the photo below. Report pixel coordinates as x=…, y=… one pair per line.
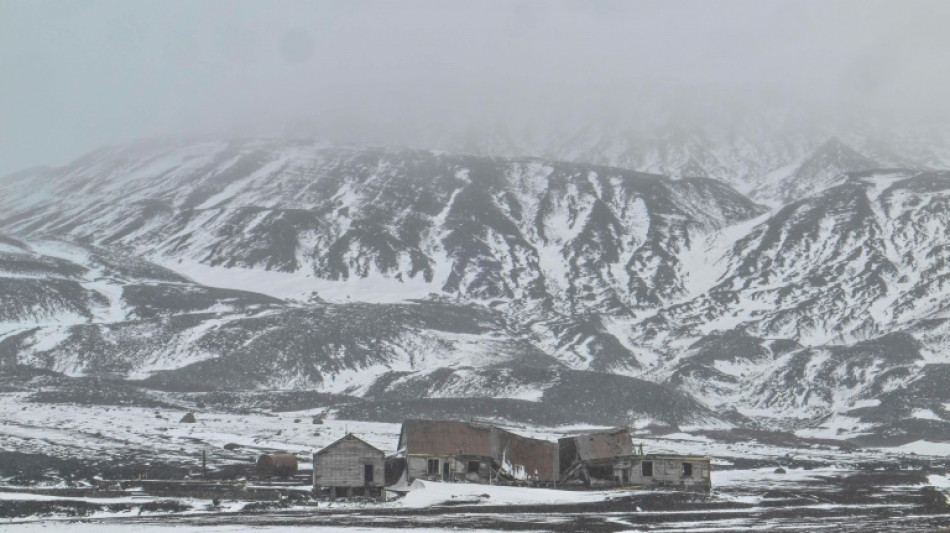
x=464, y=263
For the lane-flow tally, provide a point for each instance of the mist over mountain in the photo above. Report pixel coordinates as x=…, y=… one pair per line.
x=634, y=85
x=718, y=214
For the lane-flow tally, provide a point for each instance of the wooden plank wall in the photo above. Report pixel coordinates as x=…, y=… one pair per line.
x=343, y=465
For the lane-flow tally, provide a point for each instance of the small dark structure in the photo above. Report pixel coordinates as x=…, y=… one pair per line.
x=277, y=465
x=610, y=459
x=350, y=468
x=188, y=419
x=477, y=453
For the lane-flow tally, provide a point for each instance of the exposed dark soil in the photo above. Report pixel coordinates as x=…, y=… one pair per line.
x=874, y=501
x=66, y=508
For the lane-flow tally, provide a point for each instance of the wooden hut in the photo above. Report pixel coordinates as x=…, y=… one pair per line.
x=610, y=459
x=350, y=468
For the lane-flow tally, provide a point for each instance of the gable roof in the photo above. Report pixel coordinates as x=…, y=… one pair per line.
x=447, y=437
x=349, y=437
x=452, y=437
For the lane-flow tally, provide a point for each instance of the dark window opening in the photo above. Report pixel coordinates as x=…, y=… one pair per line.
x=646, y=468
x=367, y=473
x=601, y=472
x=432, y=468
x=687, y=469
x=626, y=475
x=473, y=467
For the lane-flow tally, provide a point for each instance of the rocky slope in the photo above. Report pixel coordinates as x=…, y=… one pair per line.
x=552, y=239
x=396, y=275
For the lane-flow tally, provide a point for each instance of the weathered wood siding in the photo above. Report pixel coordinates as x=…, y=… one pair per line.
x=668, y=471
x=418, y=468
x=343, y=465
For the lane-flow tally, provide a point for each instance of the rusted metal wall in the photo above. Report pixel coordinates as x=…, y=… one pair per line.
x=538, y=457
x=452, y=442
x=601, y=445
x=283, y=465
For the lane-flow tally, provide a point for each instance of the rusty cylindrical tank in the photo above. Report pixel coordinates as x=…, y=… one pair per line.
x=281, y=465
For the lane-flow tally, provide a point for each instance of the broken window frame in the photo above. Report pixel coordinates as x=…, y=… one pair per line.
x=433, y=471
x=687, y=469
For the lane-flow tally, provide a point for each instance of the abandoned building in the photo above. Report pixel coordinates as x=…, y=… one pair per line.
x=350, y=468
x=610, y=459
x=455, y=451
x=478, y=453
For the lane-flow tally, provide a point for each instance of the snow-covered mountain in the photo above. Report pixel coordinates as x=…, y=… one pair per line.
x=133, y=322
x=851, y=262
x=774, y=148
x=554, y=240
x=396, y=274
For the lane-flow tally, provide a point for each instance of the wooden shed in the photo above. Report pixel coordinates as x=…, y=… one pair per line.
x=610, y=459
x=350, y=467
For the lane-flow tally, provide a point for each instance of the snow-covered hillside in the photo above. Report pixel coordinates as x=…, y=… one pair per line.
x=400, y=275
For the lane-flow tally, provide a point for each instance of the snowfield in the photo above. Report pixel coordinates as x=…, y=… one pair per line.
x=428, y=494
x=816, y=483
x=264, y=284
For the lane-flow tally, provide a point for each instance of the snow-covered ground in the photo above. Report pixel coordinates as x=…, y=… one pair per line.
x=428, y=494
x=99, y=527
x=745, y=477
x=89, y=431
x=103, y=431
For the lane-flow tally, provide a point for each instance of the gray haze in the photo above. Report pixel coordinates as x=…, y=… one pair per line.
x=77, y=75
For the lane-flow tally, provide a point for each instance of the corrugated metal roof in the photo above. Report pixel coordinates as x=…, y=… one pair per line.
x=603, y=445
x=443, y=438
x=538, y=456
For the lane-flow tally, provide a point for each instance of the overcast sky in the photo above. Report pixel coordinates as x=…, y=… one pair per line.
x=80, y=74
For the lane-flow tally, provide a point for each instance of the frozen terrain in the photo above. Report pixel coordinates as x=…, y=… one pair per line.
x=263, y=285
x=399, y=280
x=761, y=480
